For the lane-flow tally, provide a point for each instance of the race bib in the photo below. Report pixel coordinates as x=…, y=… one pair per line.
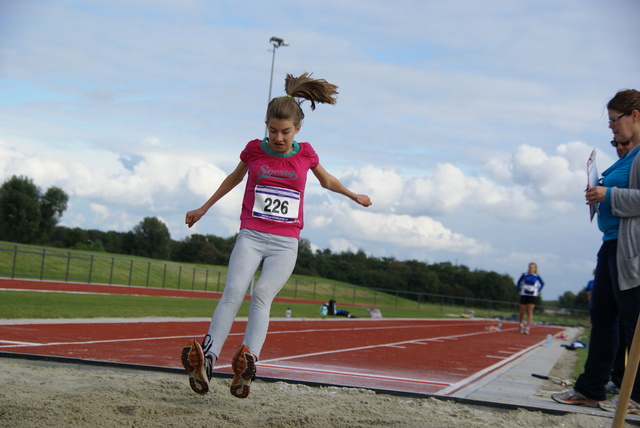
x=530, y=288
x=276, y=203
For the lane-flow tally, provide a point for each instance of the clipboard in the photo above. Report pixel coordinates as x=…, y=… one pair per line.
x=592, y=180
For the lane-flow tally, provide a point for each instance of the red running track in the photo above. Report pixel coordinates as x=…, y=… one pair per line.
x=413, y=355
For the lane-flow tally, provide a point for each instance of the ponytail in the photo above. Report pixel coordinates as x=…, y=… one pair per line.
x=304, y=88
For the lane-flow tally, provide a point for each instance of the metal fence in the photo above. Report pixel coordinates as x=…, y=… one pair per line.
x=22, y=261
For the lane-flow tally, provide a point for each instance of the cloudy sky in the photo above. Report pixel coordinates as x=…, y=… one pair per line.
x=468, y=122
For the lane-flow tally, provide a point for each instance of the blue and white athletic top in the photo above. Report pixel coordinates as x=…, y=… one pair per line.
x=530, y=284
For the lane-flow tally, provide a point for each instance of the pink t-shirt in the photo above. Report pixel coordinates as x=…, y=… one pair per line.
x=274, y=196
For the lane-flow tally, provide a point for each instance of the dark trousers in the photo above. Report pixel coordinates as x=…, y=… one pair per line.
x=614, y=315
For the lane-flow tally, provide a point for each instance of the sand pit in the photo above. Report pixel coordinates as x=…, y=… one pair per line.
x=35, y=394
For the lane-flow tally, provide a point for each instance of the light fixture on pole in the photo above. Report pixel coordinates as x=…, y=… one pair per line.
x=276, y=42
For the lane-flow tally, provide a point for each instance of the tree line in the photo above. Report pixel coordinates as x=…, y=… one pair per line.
x=30, y=216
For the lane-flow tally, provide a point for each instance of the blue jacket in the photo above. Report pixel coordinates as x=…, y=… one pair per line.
x=530, y=284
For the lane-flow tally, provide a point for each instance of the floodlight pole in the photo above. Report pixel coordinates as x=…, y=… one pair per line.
x=276, y=42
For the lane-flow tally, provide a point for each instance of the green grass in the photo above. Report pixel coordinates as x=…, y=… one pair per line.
x=34, y=262
x=582, y=353
x=30, y=304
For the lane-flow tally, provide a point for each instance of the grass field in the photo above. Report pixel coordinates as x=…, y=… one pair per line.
x=25, y=304
x=91, y=267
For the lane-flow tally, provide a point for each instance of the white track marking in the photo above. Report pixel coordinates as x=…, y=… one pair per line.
x=93, y=342
x=458, y=385
x=272, y=362
x=352, y=374
x=13, y=342
x=381, y=345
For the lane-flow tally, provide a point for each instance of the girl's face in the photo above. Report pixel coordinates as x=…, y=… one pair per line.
x=533, y=268
x=281, y=133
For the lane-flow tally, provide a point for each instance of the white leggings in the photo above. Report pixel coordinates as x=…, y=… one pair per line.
x=278, y=255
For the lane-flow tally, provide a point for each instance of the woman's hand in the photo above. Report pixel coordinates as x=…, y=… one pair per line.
x=596, y=194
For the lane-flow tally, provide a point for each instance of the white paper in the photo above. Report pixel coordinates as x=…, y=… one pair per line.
x=592, y=179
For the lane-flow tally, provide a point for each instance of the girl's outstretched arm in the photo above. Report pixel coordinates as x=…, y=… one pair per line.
x=225, y=187
x=329, y=182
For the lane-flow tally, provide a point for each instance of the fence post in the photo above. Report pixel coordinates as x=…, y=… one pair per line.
x=15, y=261
x=148, y=272
x=179, y=276
x=130, y=271
x=206, y=279
x=193, y=278
x=66, y=275
x=42, y=263
x=164, y=275
x=90, y=268
x=113, y=260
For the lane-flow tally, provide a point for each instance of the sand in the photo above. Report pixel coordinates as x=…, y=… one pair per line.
x=35, y=394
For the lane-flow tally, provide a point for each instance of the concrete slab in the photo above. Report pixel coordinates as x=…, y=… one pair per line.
x=513, y=384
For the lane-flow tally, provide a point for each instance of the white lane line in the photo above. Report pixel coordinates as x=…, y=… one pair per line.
x=458, y=385
x=381, y=345
x=93, y=342
x=352, y=374
x=13, y=342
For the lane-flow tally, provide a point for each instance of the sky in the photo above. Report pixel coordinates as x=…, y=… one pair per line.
x=468, y=123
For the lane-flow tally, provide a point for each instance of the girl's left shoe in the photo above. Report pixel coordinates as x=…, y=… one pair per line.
x=244, y=369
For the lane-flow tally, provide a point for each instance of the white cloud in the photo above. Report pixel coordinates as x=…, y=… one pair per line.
x=470, y=130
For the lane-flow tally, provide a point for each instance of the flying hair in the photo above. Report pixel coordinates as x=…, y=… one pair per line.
x=299, y=89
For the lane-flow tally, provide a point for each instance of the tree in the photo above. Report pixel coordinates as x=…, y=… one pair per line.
x=52, y=204
x=152, y=239
x=567, y=300
x=305, y=263
x=27, y=215
x=195, y=249
x=19, y=210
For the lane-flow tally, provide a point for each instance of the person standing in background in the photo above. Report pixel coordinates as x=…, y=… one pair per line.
x=529, y=286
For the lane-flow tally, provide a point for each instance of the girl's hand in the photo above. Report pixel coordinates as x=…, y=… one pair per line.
x=193, y=216
x=363, y=200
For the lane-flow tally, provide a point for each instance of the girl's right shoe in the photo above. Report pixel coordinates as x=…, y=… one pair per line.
x=198, y=366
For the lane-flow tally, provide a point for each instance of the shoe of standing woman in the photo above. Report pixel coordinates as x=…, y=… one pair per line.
x=633, y=408
x=571, y=396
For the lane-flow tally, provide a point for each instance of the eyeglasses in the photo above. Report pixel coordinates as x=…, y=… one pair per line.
x=614, y=120
x=614, y=143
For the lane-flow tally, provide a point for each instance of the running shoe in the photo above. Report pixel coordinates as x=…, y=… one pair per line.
x=526, y=330
x=633, y=408
x=520, y=328
x=244, y=368
x=198, y=365
x=571, y=396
